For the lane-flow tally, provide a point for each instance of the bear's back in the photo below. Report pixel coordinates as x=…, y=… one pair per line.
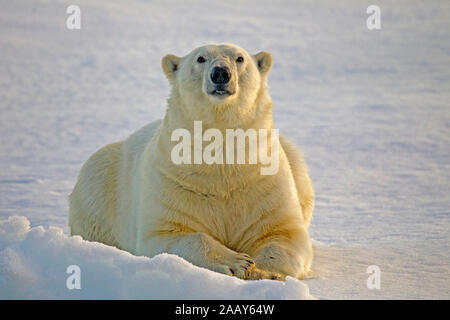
x=97, y=203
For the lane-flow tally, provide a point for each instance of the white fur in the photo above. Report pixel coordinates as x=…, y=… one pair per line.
x=228, y=218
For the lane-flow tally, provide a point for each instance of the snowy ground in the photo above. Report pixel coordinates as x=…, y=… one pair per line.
x=370, y=110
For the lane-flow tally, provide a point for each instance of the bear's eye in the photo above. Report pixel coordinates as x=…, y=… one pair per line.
x=240, y=59
x=201, y=59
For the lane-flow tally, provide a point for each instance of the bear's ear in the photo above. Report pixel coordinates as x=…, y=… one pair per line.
x=264, y=61
x=169, y=64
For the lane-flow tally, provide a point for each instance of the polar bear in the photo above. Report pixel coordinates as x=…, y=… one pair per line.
x=228, y=218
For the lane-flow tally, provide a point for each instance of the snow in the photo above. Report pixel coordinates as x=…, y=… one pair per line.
x=33, y=263
x=370, y=110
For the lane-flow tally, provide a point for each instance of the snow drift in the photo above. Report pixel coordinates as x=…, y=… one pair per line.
x=34, y=261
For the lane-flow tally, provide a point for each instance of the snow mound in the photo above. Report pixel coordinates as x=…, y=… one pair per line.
x=34, y=261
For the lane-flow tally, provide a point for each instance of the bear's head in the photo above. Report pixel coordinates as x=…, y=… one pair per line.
x=218, y=82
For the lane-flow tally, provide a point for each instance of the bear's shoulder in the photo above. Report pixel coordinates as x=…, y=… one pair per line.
x=142, y=136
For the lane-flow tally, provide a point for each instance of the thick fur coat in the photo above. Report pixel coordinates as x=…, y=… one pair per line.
x=225, y=217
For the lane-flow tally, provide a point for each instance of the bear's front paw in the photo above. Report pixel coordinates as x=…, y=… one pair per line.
x=236, y=265
x=255, y=273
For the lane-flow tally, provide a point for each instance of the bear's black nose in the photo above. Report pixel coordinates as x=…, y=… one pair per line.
x=220, y=75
